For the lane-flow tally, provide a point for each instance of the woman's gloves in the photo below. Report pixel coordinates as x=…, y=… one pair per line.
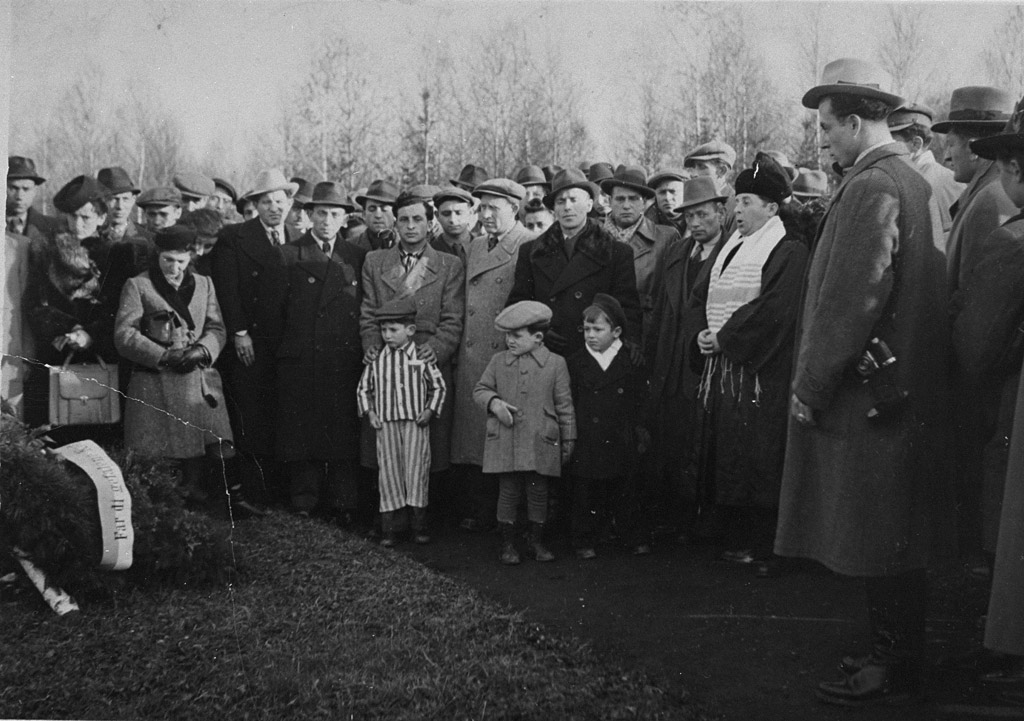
x=186, y=360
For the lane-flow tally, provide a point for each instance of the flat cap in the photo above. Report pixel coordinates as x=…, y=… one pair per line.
x=452, y=193
x=78, y=191
x=910, y=114
x=193, y=185
x=396, y=310
x=667, y=174
x=161, y=195
x=611, y=307
x=502, y=187
x=424, y=191
x=522, y=315
x=714, y=150
x=177, y=237
x=227, y=188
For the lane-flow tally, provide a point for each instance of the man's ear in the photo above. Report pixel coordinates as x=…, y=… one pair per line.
x=1018, y=169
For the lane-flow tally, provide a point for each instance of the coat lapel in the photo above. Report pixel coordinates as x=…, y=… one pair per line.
x=253, y=241
x=643, y=240
x=480, y=260
x=978, y=182
x=580, y=266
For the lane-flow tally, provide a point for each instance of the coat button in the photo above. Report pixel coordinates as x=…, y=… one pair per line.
x=475, y=281
x=423, y=302
x=255, y=273
x=621, y=391
x=321, y=315
x=311, y=280
x=498, y=280
x=578, y=295
x=553, y=299
x=355, y=282
x=596, y=419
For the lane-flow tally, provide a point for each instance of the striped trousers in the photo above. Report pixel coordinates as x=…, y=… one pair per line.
x=403, y=458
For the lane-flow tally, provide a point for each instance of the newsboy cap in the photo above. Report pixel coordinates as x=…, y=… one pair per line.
x=452, y=193
x=177, y=238
x=22, y=168
x=227, y=188
x=852, y=76
x=397, y=309
x=523, y=314
x=77, y=192
x=667, y=174
x=713, y=150
x=567, y=179
x=1012, y=137
x=977, y=105
x=193, y=185
x=765, y=178
x=502, y=187
x=381, y=191
x=611, y=307
x=910, y=114
x=470, y=177
x=161, y=195
x=115, y=180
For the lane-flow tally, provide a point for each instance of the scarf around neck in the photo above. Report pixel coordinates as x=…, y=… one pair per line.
x=623, y=235
x=178, y=298
x=736, y=285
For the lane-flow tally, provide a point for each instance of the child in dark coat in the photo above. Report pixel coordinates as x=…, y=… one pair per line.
x=609, y=392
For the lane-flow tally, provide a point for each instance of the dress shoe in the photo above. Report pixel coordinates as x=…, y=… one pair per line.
x=586, y=554
x=509, y=555
x=872, y=685
x=852, y=664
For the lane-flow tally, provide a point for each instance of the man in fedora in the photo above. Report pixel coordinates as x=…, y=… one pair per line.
x=678, y=316
x=436, y=282
x=195, y=188
x=161, y=207
x=22, y=186
x=810, y=185
x=378, y=232
x=668, y=194
x=120, y=200
x=298, y=217
x=974, y=112
x=456, y=214
x=629, y=194
x=490, y=267
x=319, y=361
x=572, y=261
x=534, y=182
x=469, y=177
x=860, y=432
x=912, y=126
x=597, y=174
x=715, y=160
x=248, y=271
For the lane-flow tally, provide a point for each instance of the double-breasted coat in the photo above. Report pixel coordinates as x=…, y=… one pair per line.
x=537, y=384
x=489, y=276
x=649, y=243
x=599, y=264
x=856, y=495
x=160, y=398
x=437, y=285
x=249, y=274
x=320, y=356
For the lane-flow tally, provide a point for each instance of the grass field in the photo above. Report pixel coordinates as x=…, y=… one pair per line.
x=319, y=624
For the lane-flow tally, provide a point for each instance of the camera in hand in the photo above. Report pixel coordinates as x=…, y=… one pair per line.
x=876, y=367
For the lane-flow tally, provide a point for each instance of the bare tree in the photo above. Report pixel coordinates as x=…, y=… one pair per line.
x=814, y=49
x=1004, y=54
x=902, y=51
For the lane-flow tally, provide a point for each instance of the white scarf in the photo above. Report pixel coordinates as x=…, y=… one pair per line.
x=740, y=283
x=605, y=358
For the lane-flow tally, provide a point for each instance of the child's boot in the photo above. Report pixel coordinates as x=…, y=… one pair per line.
x=509, y=554
x=419, y=526
x=536, y=543
x=387, y=529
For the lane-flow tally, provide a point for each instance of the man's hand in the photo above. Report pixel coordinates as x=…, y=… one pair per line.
x=244, y=350
x=567, y=448
x=636, y=353
x=370, y=355
x=426, y=353
x=374, y=420
x=503, y=412
x=708, y=342
x=424, y=417
x=803, y=413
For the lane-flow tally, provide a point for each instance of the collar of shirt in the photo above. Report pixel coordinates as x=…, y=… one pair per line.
x=605, y=358
x=876, y=146
x=409, y=349
x=280, y=231
x=703, y=250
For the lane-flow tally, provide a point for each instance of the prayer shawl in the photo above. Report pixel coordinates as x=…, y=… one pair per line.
x=740, y=282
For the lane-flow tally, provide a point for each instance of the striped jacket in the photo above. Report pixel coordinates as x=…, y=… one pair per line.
x=399, y=387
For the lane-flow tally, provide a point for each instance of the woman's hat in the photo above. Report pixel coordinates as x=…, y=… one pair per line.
x=565, y=180
x=1012, y=137
x=852, y=76
x=977, y=105
x=765, y=178
x=633, y=177
x=177, y=238
x=269, y=181
x=78, y=191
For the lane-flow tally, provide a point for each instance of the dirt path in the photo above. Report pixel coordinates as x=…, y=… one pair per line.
x=748, y=648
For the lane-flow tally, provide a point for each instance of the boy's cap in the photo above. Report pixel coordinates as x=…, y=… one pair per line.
x=611, y=308
x=396, y=310
x=522, y=315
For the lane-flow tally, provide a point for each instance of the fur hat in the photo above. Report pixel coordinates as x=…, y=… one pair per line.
x=765, y=178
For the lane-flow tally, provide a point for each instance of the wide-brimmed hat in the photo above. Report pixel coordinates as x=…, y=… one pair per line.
x=852, y=76
x=812, y=183
x=193, y=185
x=711, y=150
x=667, y=174
x=78, y=191
x=227, y=188
x=1012, y=137
x=22, y=168
x=700, y=190
x=304, y=194
x=599, y=172
x=765, y=178
x=269, y=181
x=452, y=193
x=470, y=176
x=978, y=105
x=783, y=160
x=329, y=193
x=161, y=195
x=503, y=188
x=116, y=180
x=382, y=191
x=910, y=114
x=550, y=171
x=633, y=177
x=531, y=175
x=567, y=179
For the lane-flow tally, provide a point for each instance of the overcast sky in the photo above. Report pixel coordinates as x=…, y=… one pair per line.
x=226, y=66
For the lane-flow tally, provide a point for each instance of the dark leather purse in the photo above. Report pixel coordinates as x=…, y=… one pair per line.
x=159, y=326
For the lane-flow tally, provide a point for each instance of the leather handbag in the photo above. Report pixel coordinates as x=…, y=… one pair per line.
x=84, y=393
x=159, y=326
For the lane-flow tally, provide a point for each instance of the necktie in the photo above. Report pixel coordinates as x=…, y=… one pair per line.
x=408, y=260
x=327, y=249
x=492, y=240
x=14, y=224
x=275, y=237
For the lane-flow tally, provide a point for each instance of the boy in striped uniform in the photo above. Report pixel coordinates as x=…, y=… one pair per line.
x=401, y=393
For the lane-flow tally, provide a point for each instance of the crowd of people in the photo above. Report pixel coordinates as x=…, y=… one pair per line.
x=789, y=362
